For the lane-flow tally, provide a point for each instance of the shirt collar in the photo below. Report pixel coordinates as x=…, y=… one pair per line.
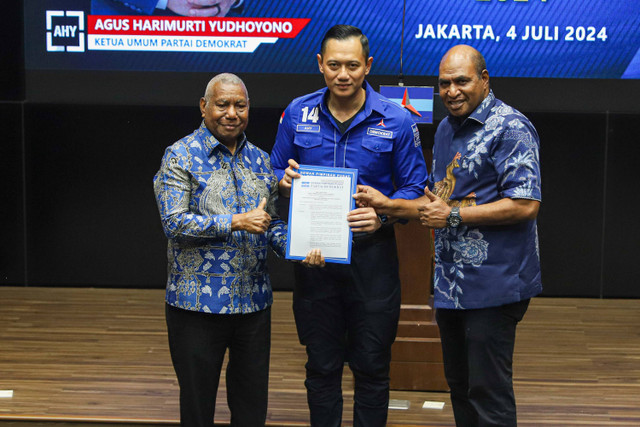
x=371, y=101
x=210, y=142
x=481, y=113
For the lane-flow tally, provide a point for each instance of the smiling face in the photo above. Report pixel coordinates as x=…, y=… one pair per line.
x=344, y=66
x=462, y=85
x=225, y=109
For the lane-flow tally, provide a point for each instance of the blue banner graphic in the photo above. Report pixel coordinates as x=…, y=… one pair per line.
x=519, y=38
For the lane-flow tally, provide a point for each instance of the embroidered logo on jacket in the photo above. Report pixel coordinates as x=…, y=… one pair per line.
x=381, y=133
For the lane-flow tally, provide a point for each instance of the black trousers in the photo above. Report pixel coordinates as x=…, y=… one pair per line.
x=198, y=342
x=350, y=313
x=477, y=347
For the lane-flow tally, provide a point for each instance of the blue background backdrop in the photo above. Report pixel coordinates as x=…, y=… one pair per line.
x=381, y=21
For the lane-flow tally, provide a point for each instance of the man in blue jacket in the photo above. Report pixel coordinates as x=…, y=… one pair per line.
x=350, y=312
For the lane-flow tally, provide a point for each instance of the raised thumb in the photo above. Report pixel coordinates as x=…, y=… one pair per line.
x=429, y=194
x=263, y=203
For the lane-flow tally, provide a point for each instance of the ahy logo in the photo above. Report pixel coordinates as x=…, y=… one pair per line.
x=65, y=31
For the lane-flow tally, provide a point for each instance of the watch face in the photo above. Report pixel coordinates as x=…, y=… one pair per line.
x=454, y=219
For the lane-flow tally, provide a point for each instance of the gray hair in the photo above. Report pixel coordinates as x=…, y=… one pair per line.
x=227, y=78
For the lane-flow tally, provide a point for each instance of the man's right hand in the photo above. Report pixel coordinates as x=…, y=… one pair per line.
x=398, y=208
x=290, y=173
x=256, y=221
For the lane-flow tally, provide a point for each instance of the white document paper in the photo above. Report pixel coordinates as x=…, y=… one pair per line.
x=319, y=204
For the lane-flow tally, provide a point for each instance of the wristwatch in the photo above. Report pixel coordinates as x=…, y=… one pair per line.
x=454, y=219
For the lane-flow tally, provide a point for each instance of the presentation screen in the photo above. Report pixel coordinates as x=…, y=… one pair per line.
x=587, y=39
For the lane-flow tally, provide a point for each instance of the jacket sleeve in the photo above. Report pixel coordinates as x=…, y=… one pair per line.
x=277, y=231
x=172, y=188
x=284, y=148
x=409, y=168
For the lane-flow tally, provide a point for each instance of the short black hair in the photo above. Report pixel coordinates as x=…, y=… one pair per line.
x=479, y=63
x=343, y=32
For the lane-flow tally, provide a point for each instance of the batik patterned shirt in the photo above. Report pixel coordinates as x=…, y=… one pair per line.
x=199, y=187
x=491, y=155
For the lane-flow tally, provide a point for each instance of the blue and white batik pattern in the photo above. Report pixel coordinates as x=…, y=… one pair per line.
x=492, y=155
x=199, y=187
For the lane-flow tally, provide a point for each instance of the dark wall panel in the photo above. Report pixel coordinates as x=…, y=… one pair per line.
x=11, y=56
x=11, y=213
x=91, y=214
x=92, y=218
x=622, y=233
x=570, y=219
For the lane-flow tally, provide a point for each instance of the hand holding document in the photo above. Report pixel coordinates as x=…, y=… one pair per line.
x=314, y=259
x=320, y=201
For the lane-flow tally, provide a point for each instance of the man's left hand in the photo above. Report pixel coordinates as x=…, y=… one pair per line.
x=256, y=221
x=434, y=212
x=314, y=259
x=363, y=220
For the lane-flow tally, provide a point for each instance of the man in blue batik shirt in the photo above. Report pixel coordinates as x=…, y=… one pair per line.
x=216, y=193
x=350, y=312
x=483, y=201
